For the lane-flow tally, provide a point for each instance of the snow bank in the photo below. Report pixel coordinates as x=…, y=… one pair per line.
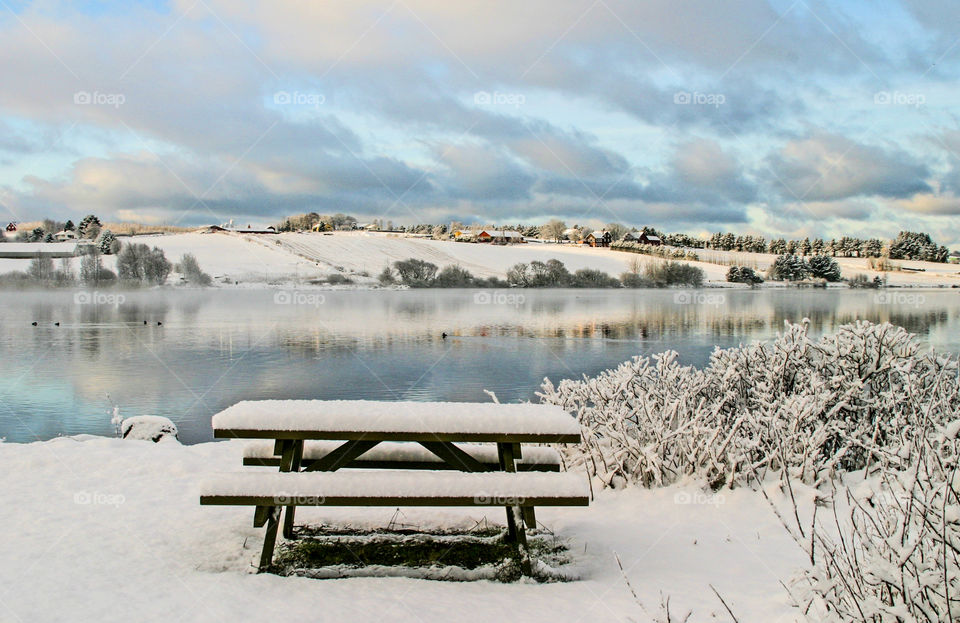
x=105, y=530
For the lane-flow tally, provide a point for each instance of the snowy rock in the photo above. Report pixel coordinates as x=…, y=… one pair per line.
x=148, y=428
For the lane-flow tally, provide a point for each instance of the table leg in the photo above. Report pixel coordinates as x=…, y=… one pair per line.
x=515, y=529
x=270, y=538
x=295, y=460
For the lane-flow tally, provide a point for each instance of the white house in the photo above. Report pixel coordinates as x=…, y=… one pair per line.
x=66, y=234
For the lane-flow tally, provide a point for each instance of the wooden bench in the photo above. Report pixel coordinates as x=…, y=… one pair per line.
x=480, y=440
x=400, y=455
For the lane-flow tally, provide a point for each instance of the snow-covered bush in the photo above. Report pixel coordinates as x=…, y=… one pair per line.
x=897, y=559
x=148, y=428
x=799, y=406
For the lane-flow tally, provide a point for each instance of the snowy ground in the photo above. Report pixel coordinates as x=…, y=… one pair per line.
x=108, y=530
x=299, y=258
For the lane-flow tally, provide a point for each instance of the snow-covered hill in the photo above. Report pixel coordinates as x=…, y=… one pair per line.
x=302, y=257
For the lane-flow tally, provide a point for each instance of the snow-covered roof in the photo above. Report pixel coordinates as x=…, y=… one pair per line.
x=599, y=233
x=652, y=237
x=503, y=233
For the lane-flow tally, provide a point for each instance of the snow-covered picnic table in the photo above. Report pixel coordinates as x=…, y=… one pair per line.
x=396, y=421
x=415, y=436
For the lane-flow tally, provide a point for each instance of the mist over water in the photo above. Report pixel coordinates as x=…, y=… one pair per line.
x=213, y=348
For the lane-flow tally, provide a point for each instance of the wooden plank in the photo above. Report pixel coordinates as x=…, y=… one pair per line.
x=416, y=465
x=230, y=433
x=342, y=456
x=454, y=456
x=391, y=500
x=529, y=516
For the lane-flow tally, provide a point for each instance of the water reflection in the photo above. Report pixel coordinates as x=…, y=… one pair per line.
x=217, y=347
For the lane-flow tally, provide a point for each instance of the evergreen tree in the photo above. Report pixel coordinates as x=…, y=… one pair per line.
x=824, y=267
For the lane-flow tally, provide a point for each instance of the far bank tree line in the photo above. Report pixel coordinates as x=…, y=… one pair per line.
x=906, y=246
x=417, y=273
x=137, y=265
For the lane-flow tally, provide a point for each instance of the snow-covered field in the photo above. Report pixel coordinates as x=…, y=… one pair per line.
x=102, y=529
x=301, y=257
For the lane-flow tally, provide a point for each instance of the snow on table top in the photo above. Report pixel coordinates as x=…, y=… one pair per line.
x=484, y=488
x=404, y=451
x=441, y=418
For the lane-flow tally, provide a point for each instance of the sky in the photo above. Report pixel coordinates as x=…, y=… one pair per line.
x=779, y=118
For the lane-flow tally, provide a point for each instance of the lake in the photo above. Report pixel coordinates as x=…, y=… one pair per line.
x=216, y=347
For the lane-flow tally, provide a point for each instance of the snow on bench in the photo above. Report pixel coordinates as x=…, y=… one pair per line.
x=399, y=421
x=393, y=454
x=396, y=488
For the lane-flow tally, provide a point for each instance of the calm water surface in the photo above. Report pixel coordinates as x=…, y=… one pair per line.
x=217, y=347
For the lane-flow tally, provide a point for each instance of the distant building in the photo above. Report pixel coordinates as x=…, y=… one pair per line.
x=650, y=239
x=598, y=238
x=63, y=236
x=571, y=233
x=11, y=227
x=499, y=235
x=248, y=229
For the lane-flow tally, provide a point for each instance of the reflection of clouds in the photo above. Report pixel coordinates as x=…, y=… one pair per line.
x=232, y=345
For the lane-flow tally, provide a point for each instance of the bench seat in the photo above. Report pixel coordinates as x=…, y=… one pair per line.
x=404, y=455
x=396, y=488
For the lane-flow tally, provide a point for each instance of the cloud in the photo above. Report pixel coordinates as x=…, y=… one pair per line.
x=828, y=167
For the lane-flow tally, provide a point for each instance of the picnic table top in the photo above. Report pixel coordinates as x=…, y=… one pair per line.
x=396, y=421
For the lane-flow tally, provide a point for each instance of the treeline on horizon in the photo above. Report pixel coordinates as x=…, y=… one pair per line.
x=417, y=273
x=906, y=246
